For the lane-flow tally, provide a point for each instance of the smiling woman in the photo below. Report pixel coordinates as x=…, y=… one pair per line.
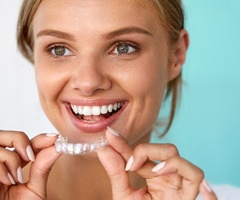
x=95, y=73
x=102, y=70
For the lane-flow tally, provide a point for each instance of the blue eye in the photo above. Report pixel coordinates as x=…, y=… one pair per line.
x=60, y=51
x=124, y=49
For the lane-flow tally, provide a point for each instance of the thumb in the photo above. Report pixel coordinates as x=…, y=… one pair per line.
x=41, y=168
x=114, y=165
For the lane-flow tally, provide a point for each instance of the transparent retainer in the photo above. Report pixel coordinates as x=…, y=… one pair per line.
x=62, y=146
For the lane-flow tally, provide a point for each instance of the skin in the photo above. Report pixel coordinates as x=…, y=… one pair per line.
x=94, y=72
x=91, y=72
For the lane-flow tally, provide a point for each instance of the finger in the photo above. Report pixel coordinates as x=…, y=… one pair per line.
x=40, y=170
x=119, y=144
x=5, y=177
x=154, y=152
x=192, y=175
x=206, y=191
x=43, y=146
x=42, y=141
x=114, y=165
x=12, y=162
x=19, y=141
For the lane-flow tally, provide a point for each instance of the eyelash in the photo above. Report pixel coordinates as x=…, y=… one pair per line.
x=131, y=47
x=53, y=47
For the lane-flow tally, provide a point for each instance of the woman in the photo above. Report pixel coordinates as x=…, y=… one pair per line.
x=101, y=64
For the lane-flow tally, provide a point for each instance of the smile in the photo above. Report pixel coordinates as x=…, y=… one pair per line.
x=93, y=114
x=94, y=117
x=96, y=110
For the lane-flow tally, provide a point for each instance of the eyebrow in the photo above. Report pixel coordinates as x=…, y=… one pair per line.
x=127, y=30
x=55, y=33
x=67, y=36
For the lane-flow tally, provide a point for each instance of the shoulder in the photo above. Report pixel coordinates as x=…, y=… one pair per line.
x=225, y=192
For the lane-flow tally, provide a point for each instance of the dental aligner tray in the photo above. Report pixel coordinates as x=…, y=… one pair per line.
x=62, y=146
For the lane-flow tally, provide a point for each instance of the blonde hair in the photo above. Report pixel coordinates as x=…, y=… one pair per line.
x=169, y=11
x=24, y=28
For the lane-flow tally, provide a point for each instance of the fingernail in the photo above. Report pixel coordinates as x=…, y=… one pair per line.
x=20, y=175
x=158, y=167
x=11, y=179
x=52, y=134
x=30, y=153
x=206, y=185
x=129, y=164
x=113, y=132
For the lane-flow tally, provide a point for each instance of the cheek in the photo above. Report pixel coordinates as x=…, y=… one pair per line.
x=50, y=85
x=150, y=92
x=45, y=83
x=147, y=79
x=49, y=81
x=45, y=89
x=145, y=84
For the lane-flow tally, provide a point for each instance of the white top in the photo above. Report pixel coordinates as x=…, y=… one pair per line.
x=225, y=192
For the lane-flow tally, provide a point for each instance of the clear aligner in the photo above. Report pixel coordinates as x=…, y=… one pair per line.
x=62, y=146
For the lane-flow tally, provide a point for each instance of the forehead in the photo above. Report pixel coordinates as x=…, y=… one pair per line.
x=103, y=4
x=97, y=14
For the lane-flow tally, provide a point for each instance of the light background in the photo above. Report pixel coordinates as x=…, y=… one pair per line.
x=207, y=126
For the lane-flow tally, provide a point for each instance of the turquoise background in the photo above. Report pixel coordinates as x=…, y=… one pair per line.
x=207, y=125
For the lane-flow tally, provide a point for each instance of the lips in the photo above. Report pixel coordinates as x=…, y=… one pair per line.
x=95, y=118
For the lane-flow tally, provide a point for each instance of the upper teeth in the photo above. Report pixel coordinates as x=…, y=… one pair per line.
x=95, y=110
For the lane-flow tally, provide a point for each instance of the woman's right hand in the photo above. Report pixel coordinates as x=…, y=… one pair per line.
x=40, y=150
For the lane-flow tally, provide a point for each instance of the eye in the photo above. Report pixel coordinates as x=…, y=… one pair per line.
x=124, y=48
x=60, y=51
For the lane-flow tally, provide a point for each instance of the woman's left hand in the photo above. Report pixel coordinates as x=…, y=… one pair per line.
x=173, y=178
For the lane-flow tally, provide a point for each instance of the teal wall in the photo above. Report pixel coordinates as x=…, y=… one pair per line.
x=207, y=126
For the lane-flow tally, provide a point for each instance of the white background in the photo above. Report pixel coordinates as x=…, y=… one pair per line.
x=19, y=105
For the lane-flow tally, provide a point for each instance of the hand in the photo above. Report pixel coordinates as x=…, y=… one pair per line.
x=173, y=178
x=40, y=150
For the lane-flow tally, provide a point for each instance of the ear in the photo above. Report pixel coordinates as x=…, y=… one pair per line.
x=178, y=56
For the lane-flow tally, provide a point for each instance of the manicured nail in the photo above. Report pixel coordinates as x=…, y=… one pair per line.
x=206, y=185
x=30, y=153
x=113, y=131
x=20, y=175
x=158, y=167
x=129, y=164
x=11, y=179
x=52, y=134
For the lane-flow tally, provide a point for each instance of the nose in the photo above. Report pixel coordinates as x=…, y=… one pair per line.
x=88, y=78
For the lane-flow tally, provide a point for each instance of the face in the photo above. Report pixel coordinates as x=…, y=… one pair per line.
x=98, y=64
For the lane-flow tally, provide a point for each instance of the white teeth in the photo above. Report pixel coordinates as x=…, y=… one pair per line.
x=80, y=110
x=87, y=111
x=75, y=109
x=115, y=106
x=104, y=109
x=96, y=110
x=110, y=108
